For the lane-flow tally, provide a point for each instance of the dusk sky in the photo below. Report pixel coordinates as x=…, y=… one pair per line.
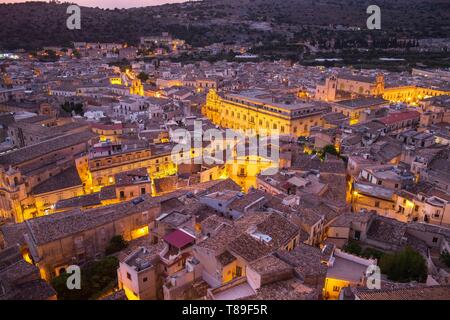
x=111, y=3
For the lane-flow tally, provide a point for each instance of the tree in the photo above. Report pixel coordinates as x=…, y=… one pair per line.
x=95, y=278
x=116, y=244
x=48, y=56
x=70, y=107
x=142, y=76
x=353, y=247
x=372, y=253
x=76, y=54
x=404, y=266
x=329, y=148
x=445, y=258
x=63, y=293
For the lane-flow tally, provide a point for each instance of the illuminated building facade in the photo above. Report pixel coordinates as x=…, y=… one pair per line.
x=108, y=131
x=261, y=113
x=411, y=94
x=26, y=169
x=357, y=109
x=435, y=110
x=339, y=87
x=107, y=159
x=136, y=87
x=132, y=184
x=71, y=241
x=344, y=86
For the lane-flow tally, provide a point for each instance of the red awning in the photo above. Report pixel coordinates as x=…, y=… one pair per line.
x=179, y=239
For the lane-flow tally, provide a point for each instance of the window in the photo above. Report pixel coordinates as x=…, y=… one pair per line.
x=128, y=276
x=435, y=239
x=145, y=279
x=336, y=288
x=377, y=204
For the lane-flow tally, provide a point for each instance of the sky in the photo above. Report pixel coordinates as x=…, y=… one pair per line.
x=111, y=3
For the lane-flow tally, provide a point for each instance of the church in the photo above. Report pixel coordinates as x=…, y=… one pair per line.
x=347, y=86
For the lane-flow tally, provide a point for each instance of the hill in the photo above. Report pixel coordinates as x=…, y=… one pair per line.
x=36, y=24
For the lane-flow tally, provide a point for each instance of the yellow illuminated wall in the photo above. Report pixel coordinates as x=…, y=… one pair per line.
x=237, y=116
x=130, y=295
x=229, y=271
x=333, y=287
x=137, y=87
x=137, y=233
x=244, y=170
x=411, y=94
x=116, y=81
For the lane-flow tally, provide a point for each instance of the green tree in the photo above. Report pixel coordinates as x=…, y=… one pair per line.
x=70, y=107
x=63, y=293
x=329, y=148
x=76, y=54
x=372, y=253
x=142, y=76
x=116, y=244
x=353, y=247
x=95, y=278
x=445, y=258
x=48, y=56
x=404, y=266
x=51, y=54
